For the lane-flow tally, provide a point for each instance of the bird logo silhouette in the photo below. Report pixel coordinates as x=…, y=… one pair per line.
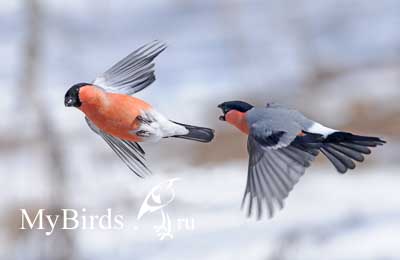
x=157, y=199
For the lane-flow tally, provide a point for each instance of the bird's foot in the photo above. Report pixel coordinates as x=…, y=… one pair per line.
x=143, y=120
x=143, y=133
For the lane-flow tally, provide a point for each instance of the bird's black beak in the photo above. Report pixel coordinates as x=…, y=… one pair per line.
x=222, y=118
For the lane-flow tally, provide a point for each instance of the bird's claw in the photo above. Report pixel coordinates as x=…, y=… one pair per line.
x=141, y=119
x=143, y=133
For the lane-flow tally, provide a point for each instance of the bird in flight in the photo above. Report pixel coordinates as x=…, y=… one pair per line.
x=123, y=120
x=281, y=144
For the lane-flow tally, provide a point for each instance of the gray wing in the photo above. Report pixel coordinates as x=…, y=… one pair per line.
x=272, y=172
x=274, y=132
x=129, y=152
x=133, y=73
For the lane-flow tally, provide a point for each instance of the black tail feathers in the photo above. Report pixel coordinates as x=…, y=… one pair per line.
x=343, y=148
x=196, y=133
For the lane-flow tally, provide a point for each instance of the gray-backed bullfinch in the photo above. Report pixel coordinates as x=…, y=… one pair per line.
x=281, y=144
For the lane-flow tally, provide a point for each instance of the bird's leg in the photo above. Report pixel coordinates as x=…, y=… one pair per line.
x=143, y=120
x=143, y=133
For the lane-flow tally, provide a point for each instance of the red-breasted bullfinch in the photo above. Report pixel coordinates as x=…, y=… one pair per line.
x=281, y=144
x=123, y=120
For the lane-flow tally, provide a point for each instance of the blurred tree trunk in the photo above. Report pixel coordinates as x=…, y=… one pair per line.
x=59, y=246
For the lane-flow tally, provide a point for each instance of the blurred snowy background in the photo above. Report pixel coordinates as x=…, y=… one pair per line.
x=338, y=61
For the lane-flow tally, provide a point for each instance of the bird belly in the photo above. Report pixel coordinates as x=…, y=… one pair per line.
x=119, y=126
x=154, y=126
x=117, y=115
x=131, y=119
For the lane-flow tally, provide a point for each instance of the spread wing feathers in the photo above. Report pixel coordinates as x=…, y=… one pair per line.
x=133, y=73
x=272, y=174
x=129, y=152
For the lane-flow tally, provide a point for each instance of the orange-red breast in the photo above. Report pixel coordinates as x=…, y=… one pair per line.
x=123, y=120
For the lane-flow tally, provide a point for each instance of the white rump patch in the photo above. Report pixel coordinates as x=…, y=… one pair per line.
x=317, y=128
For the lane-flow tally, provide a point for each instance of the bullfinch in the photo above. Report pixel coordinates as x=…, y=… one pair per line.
x=281, y=144
x=123, y=120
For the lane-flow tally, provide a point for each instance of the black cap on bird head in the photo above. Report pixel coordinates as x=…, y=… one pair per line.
x=71, y=98
x=234, y=105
